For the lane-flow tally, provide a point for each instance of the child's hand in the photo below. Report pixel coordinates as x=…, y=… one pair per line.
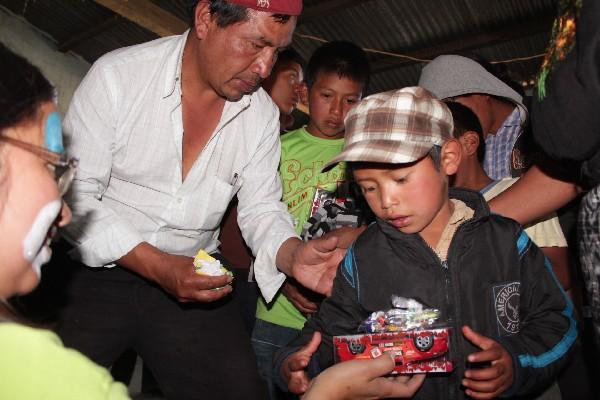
x=293, y=368
x=489, y=382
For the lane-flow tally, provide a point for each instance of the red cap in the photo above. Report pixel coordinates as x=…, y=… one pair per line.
x=289, y=7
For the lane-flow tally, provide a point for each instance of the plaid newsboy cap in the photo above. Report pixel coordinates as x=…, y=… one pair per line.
x=395, y=127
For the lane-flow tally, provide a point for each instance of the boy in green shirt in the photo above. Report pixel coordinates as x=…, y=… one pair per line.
x=336, y=76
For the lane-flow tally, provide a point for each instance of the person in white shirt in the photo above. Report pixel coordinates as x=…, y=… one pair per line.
x=167, y=133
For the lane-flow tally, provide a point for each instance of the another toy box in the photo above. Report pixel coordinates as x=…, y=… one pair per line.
x=415, y=351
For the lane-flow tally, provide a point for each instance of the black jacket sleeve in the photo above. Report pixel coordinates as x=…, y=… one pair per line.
x=566, y=123
x=548, y=329
x=339, y=314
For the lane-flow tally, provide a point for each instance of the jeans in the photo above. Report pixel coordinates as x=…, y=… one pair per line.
x=267, y=338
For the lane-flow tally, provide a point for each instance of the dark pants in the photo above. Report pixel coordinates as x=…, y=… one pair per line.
x=195, y=351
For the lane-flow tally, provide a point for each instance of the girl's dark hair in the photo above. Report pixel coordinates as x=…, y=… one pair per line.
x=290, y=55
x=466, y=120
x=23, y=89
x=345, y=59
x=227, y=14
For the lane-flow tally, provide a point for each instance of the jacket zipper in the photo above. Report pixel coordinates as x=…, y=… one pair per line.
x=450, y=383
x=452, y=389
x=453, y=301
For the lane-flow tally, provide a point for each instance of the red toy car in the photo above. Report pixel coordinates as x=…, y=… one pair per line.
x=415, y=351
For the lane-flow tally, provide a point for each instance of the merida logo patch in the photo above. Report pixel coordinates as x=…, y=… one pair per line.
x=506, y=302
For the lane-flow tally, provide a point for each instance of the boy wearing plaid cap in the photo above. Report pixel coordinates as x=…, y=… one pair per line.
x=512, y=325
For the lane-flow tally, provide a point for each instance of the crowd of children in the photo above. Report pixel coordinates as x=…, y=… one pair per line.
x=413, y=158
x=387, y=140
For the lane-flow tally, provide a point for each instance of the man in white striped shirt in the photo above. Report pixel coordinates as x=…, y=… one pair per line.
x=167, y=133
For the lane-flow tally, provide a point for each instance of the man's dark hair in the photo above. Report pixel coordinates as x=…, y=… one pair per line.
x=23, y=89
x=466, y=120
x=227, y=14
x=345, y=59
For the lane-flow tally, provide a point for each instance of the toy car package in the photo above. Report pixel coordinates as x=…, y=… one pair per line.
x=331, y=211
x=412, y=332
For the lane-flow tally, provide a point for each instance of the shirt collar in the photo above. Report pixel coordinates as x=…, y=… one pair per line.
x=514, y=119
x=461, y=214
x=173, y=77
x=173, y=67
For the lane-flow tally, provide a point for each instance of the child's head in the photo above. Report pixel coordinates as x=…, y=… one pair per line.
x=400, y=149
x=337, y=75
x=283, y=85
x=467, y=130
x=31, y=207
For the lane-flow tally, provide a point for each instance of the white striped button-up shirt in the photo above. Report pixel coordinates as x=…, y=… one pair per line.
x=125, y=125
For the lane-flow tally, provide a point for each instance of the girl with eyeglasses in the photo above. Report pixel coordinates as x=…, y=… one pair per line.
x=34, y=174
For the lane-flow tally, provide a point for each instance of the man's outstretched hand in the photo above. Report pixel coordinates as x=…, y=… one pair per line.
x=314, y=263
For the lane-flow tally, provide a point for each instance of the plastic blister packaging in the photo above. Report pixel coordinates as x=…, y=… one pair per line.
x=418, y=340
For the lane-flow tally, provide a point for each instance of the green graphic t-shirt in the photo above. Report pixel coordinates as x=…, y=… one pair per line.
x=302, y=158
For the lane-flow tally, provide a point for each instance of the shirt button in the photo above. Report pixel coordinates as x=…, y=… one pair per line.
x=180, y=200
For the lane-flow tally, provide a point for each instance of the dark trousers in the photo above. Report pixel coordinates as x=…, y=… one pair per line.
x=195, y=351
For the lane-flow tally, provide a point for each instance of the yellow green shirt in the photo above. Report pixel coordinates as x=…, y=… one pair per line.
x=35, y=365
x=302, y=158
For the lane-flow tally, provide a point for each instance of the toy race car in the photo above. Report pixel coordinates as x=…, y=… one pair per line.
x=415, y=351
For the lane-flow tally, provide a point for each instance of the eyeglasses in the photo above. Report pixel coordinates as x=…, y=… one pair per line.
x=64, y=167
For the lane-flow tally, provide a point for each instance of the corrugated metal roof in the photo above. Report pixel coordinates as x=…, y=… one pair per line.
x=496, y=30
x=411, y=25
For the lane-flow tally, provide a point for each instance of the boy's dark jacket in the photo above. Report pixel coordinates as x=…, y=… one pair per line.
x=495, y=280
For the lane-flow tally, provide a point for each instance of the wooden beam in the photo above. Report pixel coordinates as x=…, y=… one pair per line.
x=95, y=30
x=148, y=15
x=325, y=8
x=542, y=23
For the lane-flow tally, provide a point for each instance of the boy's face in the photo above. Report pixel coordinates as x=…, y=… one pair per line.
x=329, y=100
x=283, y=85
x=411, y=197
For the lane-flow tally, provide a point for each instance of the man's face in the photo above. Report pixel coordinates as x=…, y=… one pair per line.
x=241, y=55
x=413, y=198
x=329, y=99
x=283, y=85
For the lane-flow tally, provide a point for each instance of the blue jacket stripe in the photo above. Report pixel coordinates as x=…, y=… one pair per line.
x=522, y=242
x=348, y=267
x=561, y=348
